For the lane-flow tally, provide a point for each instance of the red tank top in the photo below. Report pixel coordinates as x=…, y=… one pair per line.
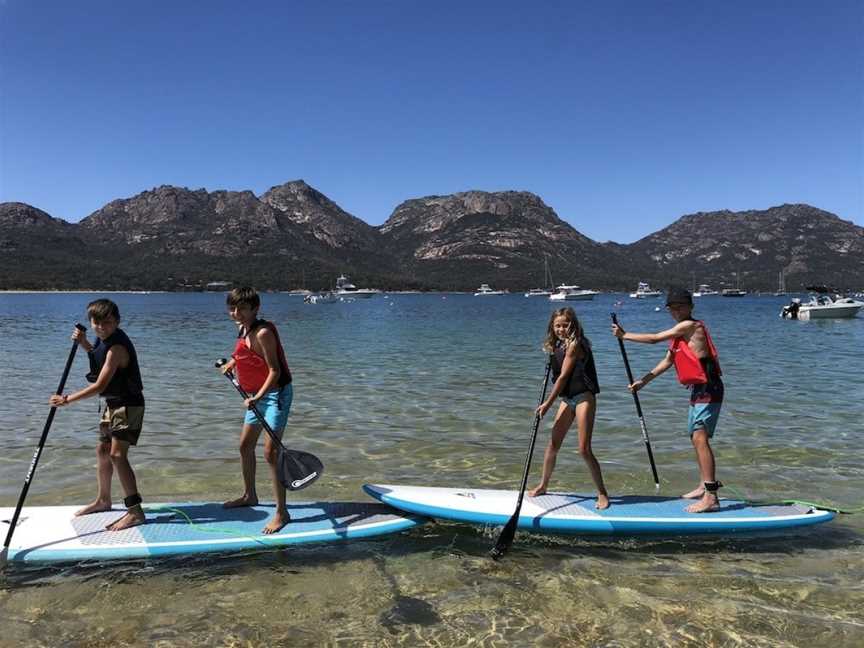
x=251, y=367
x=688, y=367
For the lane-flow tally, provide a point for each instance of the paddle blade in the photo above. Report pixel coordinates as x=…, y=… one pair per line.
x=296, y=469
x=505, y=538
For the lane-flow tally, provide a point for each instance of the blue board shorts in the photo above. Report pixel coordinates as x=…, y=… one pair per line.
x=705, y=416
x=581, y=397
x=275, y=406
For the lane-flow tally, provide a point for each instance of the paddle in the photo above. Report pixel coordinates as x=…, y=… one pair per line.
x=505, y=538
x=35, y=460
x=295, y=469
x=638, y=406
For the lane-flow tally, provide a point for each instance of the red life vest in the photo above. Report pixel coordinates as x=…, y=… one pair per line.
x=688, y=367
x=252, y=370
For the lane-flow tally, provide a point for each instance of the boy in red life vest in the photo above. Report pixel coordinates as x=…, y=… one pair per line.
x=262, y=370
x=694, y=357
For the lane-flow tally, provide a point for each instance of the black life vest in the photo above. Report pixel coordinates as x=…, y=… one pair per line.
x=584, y=375
x=125, y=387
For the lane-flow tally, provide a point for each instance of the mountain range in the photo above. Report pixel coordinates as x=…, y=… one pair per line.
x=293, y=236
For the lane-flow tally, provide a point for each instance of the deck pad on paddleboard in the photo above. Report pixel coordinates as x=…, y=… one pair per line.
x=568, y=513
x=53, y=533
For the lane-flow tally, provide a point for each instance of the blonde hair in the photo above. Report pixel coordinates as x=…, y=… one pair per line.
x=575, y=335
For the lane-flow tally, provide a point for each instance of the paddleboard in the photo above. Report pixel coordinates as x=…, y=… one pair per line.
x=53, y=533
x=567, y=513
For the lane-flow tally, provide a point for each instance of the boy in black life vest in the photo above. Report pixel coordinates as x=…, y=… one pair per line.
x=694, y=357
x=116, y=377
x=262, y=370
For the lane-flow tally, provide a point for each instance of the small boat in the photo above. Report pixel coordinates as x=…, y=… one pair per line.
x=572, y=293
x=781, y=286
x=538, y=292
x=733, y=292
x=704, y=290
x=321, y=298
x=344, y=288
x=644, y=291
x=826, y=306
x=485, y=291
x=547, y=278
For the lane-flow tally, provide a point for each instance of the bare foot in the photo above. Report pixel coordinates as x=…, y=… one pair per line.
x=696, y=493
x=133, y=518
x=279, y=520
x=707, y=504
x=537, y=491
x=97, y=506
x=241, y=501
x=602, y=502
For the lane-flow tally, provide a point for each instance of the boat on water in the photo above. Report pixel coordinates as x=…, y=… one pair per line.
x=704, y=290
x=824, y=305
x=781, y=285
x=547, y=279
x=327, y=297
x=644, y=291
x=733, y=292
x=485, y=291
x=572, y=292
x=344, y=288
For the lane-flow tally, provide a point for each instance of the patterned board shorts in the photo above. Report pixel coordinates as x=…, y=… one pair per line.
x=123, y=423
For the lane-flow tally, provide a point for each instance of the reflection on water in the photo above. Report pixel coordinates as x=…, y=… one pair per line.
x=439, y=391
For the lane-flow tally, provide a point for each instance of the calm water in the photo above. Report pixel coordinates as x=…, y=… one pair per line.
x=439, y=390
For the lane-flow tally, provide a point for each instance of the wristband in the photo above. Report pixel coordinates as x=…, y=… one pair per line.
x=65, y=399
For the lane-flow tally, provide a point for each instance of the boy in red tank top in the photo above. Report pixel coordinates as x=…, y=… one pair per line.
x=262, y=370
x=694, y=357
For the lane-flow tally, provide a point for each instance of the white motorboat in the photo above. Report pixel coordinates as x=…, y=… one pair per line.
x=704, y=290
x=733, y=292
x=344, y=288
x=826, y=307
x=321, y=298
x=485, y=291
x=645, y=291
x=572, y=293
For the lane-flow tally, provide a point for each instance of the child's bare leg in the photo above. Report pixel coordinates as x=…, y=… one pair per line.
x=705, y=458
x=280, y=517
x=559, y=430
x=585, y=419
x=248, y=441
x=104, y=472
x=119, y=457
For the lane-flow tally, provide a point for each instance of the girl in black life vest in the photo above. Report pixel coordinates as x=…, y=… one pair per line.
x=576, y=383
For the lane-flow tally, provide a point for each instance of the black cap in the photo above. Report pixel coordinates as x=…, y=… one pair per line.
x=678, y=295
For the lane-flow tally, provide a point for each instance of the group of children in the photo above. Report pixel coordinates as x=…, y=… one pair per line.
x=262, y=370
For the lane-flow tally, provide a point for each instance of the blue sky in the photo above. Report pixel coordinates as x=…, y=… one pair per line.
x=622, y=116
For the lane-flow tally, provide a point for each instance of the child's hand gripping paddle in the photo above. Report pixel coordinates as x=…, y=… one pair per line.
x=295, y=469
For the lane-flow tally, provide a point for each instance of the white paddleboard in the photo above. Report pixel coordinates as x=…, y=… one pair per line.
x=569, y=513
x=53, y=533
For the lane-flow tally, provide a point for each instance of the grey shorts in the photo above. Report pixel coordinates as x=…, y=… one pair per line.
x=123, y=423
x=573, y=401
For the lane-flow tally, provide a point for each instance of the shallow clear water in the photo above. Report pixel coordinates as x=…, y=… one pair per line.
x=439, y=390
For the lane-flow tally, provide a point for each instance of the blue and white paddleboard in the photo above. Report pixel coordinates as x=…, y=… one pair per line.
x=566, y=513
x=53, y=533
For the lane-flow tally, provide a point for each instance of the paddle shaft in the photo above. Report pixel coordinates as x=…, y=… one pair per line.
x=638, y=406
x=505, y=538
x=35, y=460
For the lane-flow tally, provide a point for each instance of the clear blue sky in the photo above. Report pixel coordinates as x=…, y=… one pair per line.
x=622, y=116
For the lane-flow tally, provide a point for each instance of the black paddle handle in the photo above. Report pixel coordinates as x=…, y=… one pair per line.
x=38, y=453
x=638, y=405
x=230, y=375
